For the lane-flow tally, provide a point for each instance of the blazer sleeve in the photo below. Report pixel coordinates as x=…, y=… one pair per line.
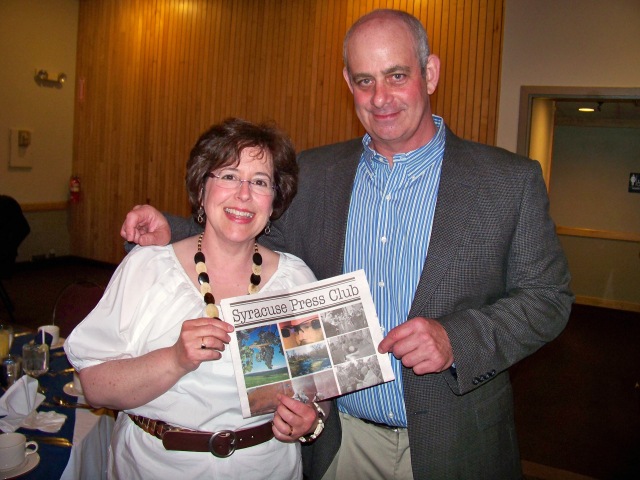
x=182, y=227
x=512, y=282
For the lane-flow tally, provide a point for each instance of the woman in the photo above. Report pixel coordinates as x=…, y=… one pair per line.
x=151, y=348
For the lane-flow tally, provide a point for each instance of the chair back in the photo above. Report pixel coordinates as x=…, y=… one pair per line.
x=74, y=303
x=14, y=228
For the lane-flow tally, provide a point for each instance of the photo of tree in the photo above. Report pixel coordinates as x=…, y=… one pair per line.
x=262, y=356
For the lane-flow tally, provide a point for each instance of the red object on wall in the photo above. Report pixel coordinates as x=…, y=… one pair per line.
x=74, y=189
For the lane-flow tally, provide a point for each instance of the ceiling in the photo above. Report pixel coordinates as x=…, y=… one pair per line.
x=619, y=110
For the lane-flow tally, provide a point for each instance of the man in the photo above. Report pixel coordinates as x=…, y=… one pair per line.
x=303, y=332
x=462, y=259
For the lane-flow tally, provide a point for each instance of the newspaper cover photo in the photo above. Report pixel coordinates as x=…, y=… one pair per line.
x=312, y=342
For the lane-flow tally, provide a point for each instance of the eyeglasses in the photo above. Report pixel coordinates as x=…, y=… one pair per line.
x=259, y=186
x=303, y=327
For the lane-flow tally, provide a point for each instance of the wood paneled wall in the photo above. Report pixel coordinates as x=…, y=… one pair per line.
x=153, y=74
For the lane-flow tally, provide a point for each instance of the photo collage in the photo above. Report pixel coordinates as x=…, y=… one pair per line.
x=310, y=359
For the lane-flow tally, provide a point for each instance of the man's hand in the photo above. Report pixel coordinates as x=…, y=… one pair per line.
x=421, y=344
x=145, y=225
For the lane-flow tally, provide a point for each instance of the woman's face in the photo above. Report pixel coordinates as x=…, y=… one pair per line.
x=239, y=214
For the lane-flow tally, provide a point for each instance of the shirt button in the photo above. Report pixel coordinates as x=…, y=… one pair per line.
x=388, y=197
x=383, y=239
x=391, y=415
x=381, y=284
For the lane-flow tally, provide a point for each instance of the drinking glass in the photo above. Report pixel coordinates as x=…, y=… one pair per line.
x=10, y=370
x=6, y=339
x=35, y=359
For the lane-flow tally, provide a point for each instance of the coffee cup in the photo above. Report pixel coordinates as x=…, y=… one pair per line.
x=52, y=330
x=14, y=449
x=77, y=386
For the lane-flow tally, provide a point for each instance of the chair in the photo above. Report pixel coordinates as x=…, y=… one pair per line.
x=74, y=303
x=14, y=228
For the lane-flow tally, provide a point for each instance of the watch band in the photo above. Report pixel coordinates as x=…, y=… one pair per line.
x=319, y=428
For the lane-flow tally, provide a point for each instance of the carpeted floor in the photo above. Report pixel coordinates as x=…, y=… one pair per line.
x=577, y=399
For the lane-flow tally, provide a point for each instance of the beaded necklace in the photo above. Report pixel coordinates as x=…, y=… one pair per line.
x=211, y=310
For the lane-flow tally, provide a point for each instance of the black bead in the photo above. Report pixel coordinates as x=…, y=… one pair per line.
x=255, y=279
x=203, y=278
x=257, y=258
x=208, y=298
x=199, y=257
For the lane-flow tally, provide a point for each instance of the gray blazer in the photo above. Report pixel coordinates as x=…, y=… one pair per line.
x=495, y=276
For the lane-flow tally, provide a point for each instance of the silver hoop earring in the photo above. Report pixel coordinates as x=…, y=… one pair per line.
x=267, y=229
x=200, y=218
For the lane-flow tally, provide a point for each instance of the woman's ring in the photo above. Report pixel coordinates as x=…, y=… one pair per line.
x=202, y=344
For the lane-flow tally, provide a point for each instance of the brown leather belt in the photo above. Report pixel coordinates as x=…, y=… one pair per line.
x=221, y=443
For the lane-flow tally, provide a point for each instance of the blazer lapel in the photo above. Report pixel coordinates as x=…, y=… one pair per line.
x=456, y=196
x=338, y=183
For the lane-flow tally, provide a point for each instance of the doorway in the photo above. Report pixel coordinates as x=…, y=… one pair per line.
x=588, y=161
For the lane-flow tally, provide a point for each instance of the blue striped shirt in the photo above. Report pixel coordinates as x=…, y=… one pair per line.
x=388, y=231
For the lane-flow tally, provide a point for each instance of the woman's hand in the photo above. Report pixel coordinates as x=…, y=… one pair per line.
x=136, y=381
x=201, y=340
x=293, y=419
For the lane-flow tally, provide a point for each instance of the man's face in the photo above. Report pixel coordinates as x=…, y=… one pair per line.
x=390, y=93
x=308, y=332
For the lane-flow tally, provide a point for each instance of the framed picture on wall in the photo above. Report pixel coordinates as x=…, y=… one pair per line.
x=634, y=182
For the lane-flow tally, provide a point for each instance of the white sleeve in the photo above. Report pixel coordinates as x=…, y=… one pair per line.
x=138, y=297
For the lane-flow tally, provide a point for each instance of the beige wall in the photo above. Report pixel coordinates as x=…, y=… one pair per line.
x=589, y=43
x=590, y=181
x=589, y=190
x=580, y=43
x=35, y=34
x=542, y=131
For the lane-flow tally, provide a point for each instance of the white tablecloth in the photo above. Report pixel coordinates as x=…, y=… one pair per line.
x=90, y=451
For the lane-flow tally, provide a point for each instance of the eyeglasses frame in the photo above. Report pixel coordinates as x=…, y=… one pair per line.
x=240, y=182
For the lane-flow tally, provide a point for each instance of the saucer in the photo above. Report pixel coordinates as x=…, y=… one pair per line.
x=29, y=464
x=58, y=345
x=69, y=389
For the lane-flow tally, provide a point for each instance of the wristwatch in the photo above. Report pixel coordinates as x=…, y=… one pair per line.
x=316, y=433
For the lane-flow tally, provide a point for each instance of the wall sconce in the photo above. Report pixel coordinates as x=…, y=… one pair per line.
x=42, y=79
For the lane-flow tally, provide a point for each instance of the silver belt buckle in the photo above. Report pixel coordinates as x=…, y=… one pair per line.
x=223, y=436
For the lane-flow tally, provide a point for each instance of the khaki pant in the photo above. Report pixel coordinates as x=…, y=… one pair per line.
x=369, y=452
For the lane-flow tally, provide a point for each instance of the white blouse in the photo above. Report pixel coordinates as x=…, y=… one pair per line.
x=143, y=308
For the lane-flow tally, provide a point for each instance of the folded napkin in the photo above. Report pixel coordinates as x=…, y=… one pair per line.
x=18, y=405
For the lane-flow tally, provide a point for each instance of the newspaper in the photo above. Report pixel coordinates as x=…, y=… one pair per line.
x=312, y=342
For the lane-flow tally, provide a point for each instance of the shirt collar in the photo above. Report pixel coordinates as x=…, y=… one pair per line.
x=416, y=160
